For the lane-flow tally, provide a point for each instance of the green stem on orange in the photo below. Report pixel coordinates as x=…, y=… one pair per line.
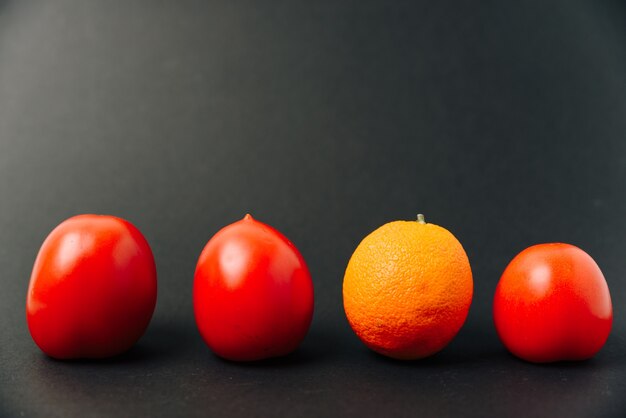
x=420, y=219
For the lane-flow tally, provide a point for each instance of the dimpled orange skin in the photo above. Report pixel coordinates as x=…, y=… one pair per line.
x=407, y=289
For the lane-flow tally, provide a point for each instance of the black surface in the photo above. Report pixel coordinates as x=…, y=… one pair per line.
x=504, y=123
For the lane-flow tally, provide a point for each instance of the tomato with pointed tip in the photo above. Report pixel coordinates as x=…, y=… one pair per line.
x=553, y=304
x=253, y=294
x=93, y=288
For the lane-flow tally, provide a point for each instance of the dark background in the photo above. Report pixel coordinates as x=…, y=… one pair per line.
x=505, y=123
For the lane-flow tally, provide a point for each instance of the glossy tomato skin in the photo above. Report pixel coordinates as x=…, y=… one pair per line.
x=253, y=294
x=553, y=304
x=93, y=288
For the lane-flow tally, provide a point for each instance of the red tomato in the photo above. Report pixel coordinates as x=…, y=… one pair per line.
x=253, y=295
x=552, y=303
x=93, y=288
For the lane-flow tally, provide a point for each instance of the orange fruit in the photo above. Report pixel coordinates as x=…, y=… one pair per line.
x=407, y=289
